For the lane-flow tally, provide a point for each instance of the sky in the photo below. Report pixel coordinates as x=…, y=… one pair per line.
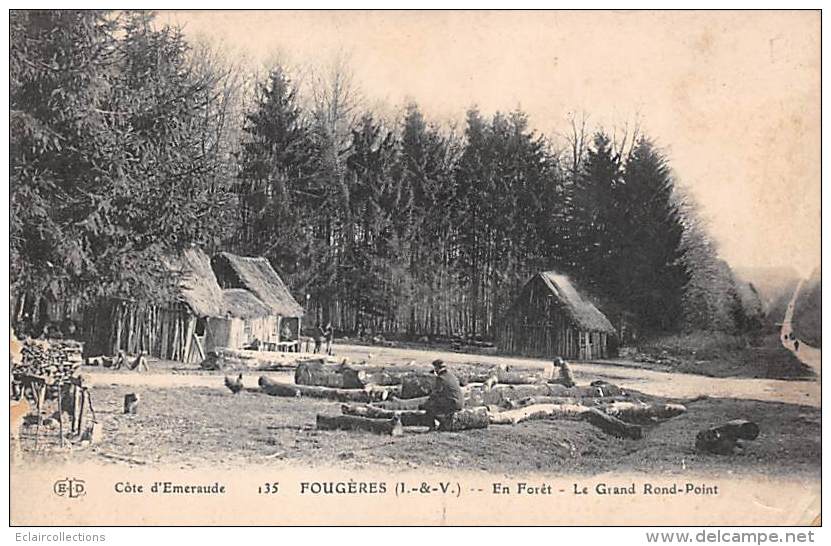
x=732, y=97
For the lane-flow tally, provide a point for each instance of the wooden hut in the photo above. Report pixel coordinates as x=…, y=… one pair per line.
x=550, y=318
x=173, y=331
x=238, y=274
x=245, y=319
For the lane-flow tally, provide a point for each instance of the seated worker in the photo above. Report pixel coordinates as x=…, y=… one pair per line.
x=565, y=377
x=446, y=398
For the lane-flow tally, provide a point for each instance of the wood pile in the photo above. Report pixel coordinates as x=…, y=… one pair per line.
x=54, y=362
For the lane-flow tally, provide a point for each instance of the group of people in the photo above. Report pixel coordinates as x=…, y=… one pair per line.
x=790, y=336
x=447, y=398
x=322, y=335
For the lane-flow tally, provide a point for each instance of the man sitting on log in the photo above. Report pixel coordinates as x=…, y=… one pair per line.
x=446, y=398
x=563, y=373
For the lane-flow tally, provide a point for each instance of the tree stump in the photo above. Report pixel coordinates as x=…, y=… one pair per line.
x=130, y=404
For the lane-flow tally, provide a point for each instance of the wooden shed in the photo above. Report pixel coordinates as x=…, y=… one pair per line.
x=551, y=318
x=268, y=312
x=173, y=331
x=245, y=319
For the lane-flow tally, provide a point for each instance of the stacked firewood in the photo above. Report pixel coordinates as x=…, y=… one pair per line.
x=54, y=362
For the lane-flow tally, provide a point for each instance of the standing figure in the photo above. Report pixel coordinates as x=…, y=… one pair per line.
x=318, y=334
x=286, y=335
x=329, y=333
x=446, y=397
x=796, y=345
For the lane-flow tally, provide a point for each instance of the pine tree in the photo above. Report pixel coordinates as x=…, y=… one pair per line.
x=648, y=257
x=278, y=193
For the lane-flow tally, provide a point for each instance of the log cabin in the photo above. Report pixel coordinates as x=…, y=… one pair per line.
x=551, y=318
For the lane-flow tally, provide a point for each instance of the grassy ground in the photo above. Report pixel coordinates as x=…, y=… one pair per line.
x=190, y=427
x=721, y=355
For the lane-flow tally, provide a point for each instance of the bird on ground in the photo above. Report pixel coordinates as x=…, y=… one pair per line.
x=234, y=385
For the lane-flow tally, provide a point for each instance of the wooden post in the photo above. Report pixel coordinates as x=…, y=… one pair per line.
x=60, y=414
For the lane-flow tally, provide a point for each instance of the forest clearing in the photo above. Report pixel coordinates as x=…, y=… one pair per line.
x=188, y=418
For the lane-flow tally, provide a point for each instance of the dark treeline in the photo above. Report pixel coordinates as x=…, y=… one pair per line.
x=128, y=143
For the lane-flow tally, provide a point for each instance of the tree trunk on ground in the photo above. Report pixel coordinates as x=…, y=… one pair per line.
x=722, y=439
x=417, y=385
x=409, y=418
x=632, y=412
x=533, y=400
x=537, y=411
x=467, y=419
x=612, y=425
x=399, y=404
x=518, y=377
x=320, y=375
x=277, y=388
x=391, y=427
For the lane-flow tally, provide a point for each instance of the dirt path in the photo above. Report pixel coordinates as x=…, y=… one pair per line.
x=810, y=356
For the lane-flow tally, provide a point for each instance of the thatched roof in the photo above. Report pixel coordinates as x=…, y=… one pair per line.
x=241, y=303
x=257, y=276
x=583, y=313
x=197, y=283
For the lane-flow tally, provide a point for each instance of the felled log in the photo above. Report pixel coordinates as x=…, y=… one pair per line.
x=384, y=378
x=400, y=404
x=415, y=385
x=643, y=413
x=395, y=374
x=466, y=419
x=278, y=388
x=391, y=427
x=740, y=428
x=511, y=377
x=537, y=411
x=604, y=388
x=612, y=425
x=500, y=394
x=316, y=373
x=533, y=400
x=409, y=418
x=723, y=439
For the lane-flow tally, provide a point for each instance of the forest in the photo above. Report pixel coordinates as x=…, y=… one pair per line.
x=129, y=143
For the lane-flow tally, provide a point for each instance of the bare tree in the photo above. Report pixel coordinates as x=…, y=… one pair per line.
x=576, y=138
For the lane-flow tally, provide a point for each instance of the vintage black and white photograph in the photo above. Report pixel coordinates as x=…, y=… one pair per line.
x=414, y=267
